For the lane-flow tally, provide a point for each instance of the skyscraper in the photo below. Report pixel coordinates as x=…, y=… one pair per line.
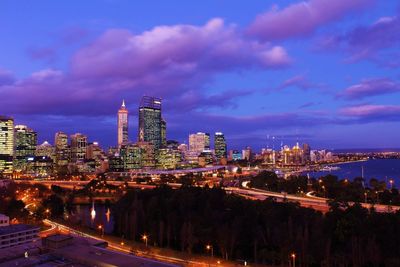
x=150, y=121
x=78, y=147
x=199, y=142
x=25, y=146
x=163, y=133
x=6, y=145
x=219, y=145
x=62, y=150
x=122, y=124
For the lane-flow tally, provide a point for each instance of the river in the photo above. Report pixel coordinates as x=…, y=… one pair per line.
x=381, y=169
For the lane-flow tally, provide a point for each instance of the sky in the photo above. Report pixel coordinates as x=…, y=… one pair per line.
x=317, y=71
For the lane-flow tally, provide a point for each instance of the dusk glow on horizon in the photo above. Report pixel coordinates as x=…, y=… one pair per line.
x=320, y=72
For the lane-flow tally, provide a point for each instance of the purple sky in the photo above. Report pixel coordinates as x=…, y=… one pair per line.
x=318, y=71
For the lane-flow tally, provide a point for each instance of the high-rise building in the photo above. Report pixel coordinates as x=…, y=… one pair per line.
x=163, y=133
x=25, y=146
x=131, y=156
x=78, y=147
x=122, y=124
x=6, y=145
x=150, y=121
x=219, y=145
x=62, y=149
x=199, y=142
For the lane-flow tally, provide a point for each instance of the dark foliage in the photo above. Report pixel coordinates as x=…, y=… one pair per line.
x=267, y=232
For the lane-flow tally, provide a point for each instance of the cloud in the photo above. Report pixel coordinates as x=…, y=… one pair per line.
x=172, y=62
x=377, y=42
x=370, y=87
x=371, y=113
x=178, y=50
x=301, y=19
x=6, y=77
x=300, y=81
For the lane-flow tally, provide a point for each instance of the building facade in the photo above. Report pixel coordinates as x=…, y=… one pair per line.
x=78, y=147
x=150, y=121
x=122, y=124
x=219, y=146
x=199, y=142
x=25, y=146
x=6, y=145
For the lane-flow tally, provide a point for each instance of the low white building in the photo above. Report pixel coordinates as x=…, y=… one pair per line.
x=16, y=234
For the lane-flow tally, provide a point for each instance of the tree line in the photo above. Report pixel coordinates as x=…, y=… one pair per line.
x=266, y=232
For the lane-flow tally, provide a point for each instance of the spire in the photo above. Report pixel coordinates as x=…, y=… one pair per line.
x=123, y=103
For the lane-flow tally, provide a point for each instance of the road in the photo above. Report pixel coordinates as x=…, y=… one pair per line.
x=121, y=247
x=308, y=201
x=313, y=202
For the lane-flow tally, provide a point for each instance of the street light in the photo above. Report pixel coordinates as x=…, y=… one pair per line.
x=365, y=197
x=293, y=256
x=391, y=184
x=101, y=228
x=211, y=249
x=145, y=238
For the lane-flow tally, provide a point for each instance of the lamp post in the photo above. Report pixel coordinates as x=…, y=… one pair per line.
x=145, y=238
x=365, y=197
x=293, y=256
x=391, y=184
x=101, y=228
x=211, y=249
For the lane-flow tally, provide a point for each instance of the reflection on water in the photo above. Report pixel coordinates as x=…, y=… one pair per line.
x=93, y=216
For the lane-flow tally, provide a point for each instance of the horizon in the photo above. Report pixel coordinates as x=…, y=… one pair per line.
x=331, y=81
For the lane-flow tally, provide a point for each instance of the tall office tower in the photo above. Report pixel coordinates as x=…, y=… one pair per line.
x=6, y=145
x=78, y=147
x=163, y=133
x=25, y=146
x=122, y=124
x=62, y=151
x=219, y=145
x=307, y=153
x=199, y=142
x=150, y=121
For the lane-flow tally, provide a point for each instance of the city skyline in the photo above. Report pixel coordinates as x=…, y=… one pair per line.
x=330, y=81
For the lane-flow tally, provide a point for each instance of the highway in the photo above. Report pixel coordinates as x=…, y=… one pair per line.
x=308, y=200
x=121, y=247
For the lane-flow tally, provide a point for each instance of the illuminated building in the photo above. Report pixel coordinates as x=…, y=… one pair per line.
x=199, y=142
x=96, y=157
x=45, y=150
x=219, y=145
x=169, y=158
x=25, y=146
x=163, y=133
x=78, y=147
x=62, y=150
x=234, y=155
x=122, y=124
x=306, y=153
x=6, y=145
x=131, y=156
x=148, y=154
x=247, y=154
x=205, y=158
x=150, y=121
